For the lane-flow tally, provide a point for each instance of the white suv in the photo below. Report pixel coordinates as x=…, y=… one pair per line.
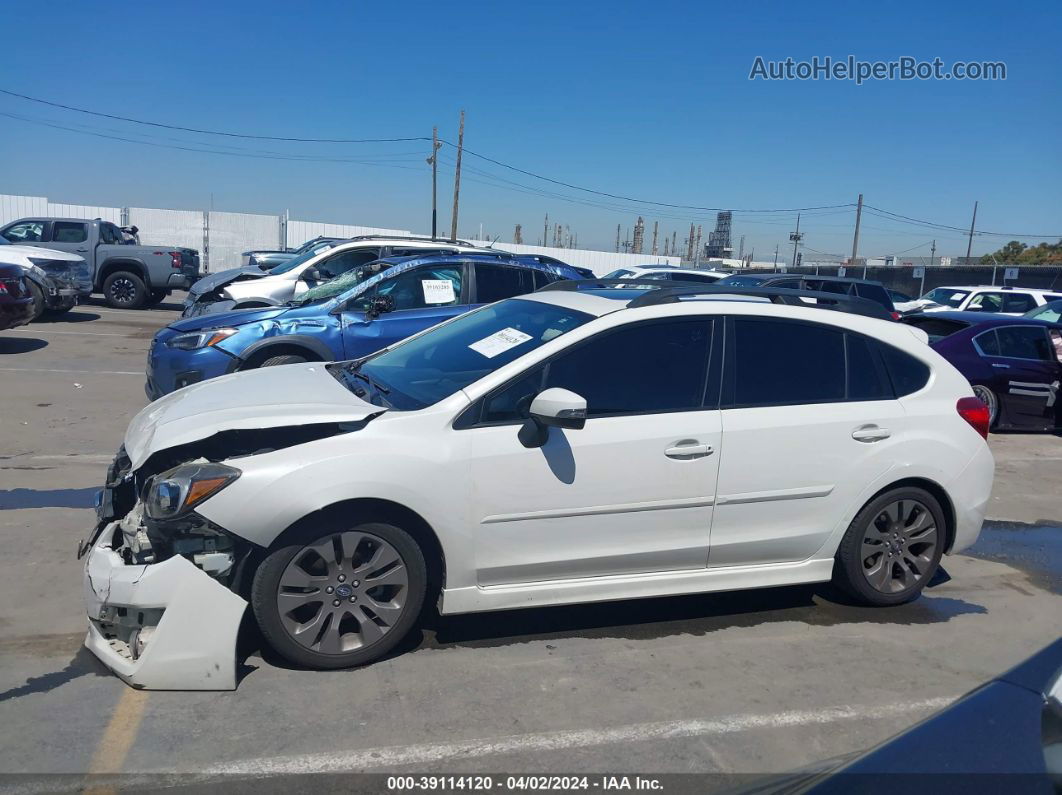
x=1000, y=300
x=572, y=445
x=669, y=273
x=246, y=288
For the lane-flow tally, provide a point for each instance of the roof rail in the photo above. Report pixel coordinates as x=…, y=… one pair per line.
x=412, y=237
x=675, y=291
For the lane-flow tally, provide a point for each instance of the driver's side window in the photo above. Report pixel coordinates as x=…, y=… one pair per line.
x=418, y=289
x=985, y=302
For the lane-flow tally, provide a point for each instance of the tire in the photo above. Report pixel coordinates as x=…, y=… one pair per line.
x=891, y=533
x=156, y=297
x=124, y=290
x=63, y=308
x=38, y=300
x=988, y=397
x=273, y=361
x=332, y=630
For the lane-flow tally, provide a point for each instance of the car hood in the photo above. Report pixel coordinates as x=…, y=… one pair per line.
x=41, y=253
x=236, y=317
x=272, y=397
x=215, y=280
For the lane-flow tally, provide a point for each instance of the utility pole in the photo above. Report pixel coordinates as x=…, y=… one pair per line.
x=457, y=176
x=855, y=239
x=545, y=231
x=674, y=243
x=518, y=238
x=434, y=160
x=776, y=256
x=795, y=237
x=932, y=253
x=617, y=238
x=656, y=226
x=697, y=248
x=969, y=245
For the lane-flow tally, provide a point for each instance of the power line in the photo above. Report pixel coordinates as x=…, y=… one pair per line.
x=948, y=227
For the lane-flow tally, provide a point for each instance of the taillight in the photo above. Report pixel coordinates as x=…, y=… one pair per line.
x=3, y=289
x=175, y=259
x=974, y=412
x=895, y=315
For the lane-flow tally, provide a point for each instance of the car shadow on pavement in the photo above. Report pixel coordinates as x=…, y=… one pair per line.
x=12, y=345
x=649, y=619
x=83, y=663
x=13, y=499
x=73, y=316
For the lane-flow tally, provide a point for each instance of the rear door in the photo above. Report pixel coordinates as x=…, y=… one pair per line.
x=423, y=297
x=71, y=236
x=809, y=418
x=1027, y=373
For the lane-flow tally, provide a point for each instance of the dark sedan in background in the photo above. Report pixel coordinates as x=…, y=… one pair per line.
x=16, y=301
x=1013, y=363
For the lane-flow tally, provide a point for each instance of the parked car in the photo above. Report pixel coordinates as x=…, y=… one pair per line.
x=902, y=302
x=997, y=300
x=1013, y=363
x=250, y=288
x=16, y=301
x=55, y=279
x=515, y=456
x=863, y=288
x=267, y=259
x=1049, y=312
x=1004, y=736
x=668, y=273
x=128, y=276
x=365, y=309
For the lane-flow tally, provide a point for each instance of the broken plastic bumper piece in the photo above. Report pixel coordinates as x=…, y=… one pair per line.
x=160, y=626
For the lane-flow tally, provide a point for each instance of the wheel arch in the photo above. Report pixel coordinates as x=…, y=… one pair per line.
x=293, y=345
x=938, y=493
x=372, y=509
x=115, y=265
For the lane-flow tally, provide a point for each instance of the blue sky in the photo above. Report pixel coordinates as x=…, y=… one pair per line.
x=647, y=100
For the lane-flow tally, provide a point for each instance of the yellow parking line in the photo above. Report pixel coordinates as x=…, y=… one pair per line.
x=119, y=736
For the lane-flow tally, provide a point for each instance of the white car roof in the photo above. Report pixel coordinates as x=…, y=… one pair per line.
x=999, y=288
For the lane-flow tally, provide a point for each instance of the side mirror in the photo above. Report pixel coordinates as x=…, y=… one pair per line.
x=554, y=407
x=379, y=305
x=312, y=275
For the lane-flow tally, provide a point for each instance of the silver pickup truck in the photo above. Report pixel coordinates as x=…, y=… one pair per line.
x=128, y=276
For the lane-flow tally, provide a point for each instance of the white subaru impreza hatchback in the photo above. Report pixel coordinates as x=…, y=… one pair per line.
x=583, y=443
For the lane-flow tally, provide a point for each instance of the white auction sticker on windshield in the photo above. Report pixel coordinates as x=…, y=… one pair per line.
x=438, y=291
x=499, y=342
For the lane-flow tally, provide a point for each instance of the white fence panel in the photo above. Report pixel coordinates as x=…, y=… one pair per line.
x=169, y=228
x=231, y=234
x=86, y=211
x=301, y=231
x=600, y=262
x=14, y=207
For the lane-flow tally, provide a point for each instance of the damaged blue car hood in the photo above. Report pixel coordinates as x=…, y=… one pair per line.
x=239, y=317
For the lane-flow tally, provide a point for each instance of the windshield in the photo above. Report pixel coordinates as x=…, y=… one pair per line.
x=946, y=296
x=1048, y=312
x=741, y=281
x=298, y=260
x=428, y=368
x=621, y=273
x=340, y=284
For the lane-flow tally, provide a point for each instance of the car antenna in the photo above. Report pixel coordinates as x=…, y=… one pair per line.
x=491, y=243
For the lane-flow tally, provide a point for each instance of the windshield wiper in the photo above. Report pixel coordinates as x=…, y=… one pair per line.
x=355, y=371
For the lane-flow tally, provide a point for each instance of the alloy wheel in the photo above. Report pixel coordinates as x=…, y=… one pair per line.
x=123, y=290
x=988, y=397
x=898, y=546
x=343, y=592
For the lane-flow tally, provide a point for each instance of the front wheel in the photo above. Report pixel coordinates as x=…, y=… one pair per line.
x=340, y=597
x=124, y=290
x=273, y=361
x=892, y=548
x=38, y=299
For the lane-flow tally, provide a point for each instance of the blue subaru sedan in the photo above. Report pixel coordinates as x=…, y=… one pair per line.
x=360, y=312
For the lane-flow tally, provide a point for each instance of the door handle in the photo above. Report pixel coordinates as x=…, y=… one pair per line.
x=1001, y=366
x=870, y=433
x=688, y=451
x=82, y=249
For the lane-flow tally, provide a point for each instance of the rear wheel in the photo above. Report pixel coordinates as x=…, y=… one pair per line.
x=988, y=397
x=124, y=290
x=892, y=548
x=340, y=597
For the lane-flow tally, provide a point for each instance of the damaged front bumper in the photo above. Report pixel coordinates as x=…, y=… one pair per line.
x=160, y=626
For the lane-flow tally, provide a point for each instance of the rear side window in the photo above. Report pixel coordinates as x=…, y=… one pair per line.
x=987, y=343
x=69, y=232
x=875, y=293
x=907, y=373
x=1023, y=342
x=496, y=282
x=777, y=363
x=866, y=374
x=1018, y=302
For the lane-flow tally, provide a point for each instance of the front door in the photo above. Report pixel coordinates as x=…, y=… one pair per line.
x=809, y=417
x=629, y=493
x=422, y=297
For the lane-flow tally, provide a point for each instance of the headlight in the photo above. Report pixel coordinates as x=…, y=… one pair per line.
x=171, y=493
x=201, y=339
